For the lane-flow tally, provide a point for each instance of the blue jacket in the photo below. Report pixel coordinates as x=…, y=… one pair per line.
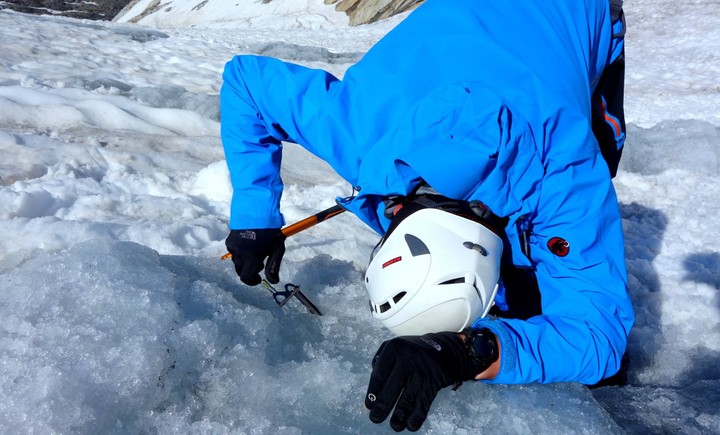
x=483, y=100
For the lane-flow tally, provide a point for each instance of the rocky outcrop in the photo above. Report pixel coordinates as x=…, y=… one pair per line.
x=359, y=11
x=92, y=10
x=369, y=11
x=154, y=6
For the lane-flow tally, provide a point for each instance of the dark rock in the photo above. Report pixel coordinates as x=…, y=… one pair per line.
x=369, y=11
x=99, y=10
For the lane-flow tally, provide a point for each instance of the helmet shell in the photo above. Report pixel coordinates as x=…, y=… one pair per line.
x=436, y=271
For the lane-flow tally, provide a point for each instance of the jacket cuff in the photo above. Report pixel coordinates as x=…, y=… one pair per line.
x=244, y=222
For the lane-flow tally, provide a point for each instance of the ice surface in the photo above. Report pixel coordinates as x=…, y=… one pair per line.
x=110, y=337
x=301, y=53
x=689, y=144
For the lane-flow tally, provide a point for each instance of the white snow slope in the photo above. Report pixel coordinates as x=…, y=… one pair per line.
x=117, y=316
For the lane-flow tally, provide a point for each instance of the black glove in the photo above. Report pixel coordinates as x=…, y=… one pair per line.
x=411, y=370
x=250, y=248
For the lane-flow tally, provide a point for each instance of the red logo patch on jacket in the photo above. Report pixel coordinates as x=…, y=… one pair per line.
x=559, y=246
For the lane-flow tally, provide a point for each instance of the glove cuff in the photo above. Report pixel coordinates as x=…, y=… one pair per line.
x=263, y=239
x=464, y=358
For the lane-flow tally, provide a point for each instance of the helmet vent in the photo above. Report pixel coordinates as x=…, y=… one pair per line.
x=416, y=246
x=460, y=280
x=387, y=305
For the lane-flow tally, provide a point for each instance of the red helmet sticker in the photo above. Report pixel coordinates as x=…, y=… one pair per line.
x=559, y=246
x=389, y=262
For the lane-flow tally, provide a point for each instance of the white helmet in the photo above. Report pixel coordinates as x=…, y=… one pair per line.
x=434, y=271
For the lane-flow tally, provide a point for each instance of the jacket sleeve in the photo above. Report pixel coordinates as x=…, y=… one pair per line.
x=259, y=106
x=586, y=312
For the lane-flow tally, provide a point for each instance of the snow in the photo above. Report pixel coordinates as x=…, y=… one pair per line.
x=263, y=14
x=117, y=315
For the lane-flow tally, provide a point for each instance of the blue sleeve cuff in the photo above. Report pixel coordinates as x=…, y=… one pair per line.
x=508, y=350
x=244, y=222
